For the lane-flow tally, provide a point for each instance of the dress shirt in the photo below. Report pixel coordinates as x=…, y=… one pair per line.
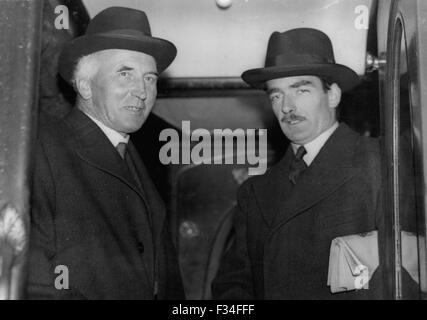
x=314, y=146
x=112, y=135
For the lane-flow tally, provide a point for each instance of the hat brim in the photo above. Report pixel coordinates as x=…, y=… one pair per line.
x=345, y=77
x=163, y=51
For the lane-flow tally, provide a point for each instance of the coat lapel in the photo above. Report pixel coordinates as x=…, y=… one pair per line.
x=331, y=169
x=272, y=189
x=154, y=203
x=92, y=146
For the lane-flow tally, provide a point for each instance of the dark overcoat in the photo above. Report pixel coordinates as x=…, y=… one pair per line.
x=91, y=216
x=284, y=232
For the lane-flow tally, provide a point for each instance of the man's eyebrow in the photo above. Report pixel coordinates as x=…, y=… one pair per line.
x=292, y=86
x=273, y=90
x=301, y=83
x=152, y=72
x=124, y=68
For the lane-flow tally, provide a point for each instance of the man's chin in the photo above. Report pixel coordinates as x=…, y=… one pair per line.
x=293, y=131
x=295, y=137
x=131, y=128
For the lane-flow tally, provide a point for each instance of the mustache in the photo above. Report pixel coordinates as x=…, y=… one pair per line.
x=291, y=117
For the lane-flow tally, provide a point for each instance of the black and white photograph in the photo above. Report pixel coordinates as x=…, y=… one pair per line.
x=213, y=153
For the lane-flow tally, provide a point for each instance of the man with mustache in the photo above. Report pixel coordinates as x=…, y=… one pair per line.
x=99, y=229
x=326, y=186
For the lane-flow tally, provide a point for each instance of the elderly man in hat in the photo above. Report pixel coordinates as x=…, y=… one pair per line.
x=99, y=229
x=326, y=186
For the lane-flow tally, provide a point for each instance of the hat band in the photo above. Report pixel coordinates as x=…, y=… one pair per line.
x=296, y=59
x=130, y=33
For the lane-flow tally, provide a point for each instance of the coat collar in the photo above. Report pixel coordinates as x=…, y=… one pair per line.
x=280, y=201
x=93, y=146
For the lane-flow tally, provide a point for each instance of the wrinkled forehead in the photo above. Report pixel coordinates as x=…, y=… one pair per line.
x=112, y=57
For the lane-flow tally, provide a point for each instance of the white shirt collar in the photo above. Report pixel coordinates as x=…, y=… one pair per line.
x=314, y=146
x=112, y=135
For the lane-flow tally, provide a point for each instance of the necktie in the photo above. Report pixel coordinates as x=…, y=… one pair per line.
x=121, y=149
x=298, y=165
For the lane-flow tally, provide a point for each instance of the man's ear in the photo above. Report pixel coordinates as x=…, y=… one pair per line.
x=83, y=88
x=334, y=95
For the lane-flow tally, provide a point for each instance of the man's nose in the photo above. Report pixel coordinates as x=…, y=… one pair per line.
x=139, y=89
x=288, y=105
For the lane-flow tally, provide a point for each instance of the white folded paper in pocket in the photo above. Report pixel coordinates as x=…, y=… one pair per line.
x=352, y=261
x=354, y=258
x=410, y=254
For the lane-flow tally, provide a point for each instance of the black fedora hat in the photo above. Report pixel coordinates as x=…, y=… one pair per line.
x=298, y=52
x=116, y=28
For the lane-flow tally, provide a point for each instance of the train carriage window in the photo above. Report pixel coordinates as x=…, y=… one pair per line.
x=407, y=190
